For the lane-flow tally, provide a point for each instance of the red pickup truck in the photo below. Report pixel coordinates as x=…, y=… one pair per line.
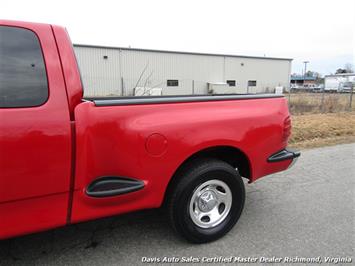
x=65, y=159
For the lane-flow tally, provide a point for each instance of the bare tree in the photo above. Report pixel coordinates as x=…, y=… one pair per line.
x=349, y=68
x=142, y=73
x=340, y=71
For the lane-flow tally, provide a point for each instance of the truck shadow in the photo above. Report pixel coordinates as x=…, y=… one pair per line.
x=139, y=228
x=118, y=240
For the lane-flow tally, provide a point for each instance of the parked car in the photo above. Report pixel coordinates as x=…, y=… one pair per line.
x=294, y=87
x=318, y=88
x=65, y=158
x=345, y=87
x=309, y=87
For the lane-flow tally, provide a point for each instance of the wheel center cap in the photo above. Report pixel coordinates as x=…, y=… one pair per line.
x=207, y=201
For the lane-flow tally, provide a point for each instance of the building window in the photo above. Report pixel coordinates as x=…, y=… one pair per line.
x=251, y=83
x=172, y=83
x=23, y=78
x=231, y=83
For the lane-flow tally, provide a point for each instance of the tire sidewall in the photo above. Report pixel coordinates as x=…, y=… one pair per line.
x=197, y=234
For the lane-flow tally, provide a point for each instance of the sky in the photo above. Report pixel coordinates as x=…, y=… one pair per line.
x=321, y=32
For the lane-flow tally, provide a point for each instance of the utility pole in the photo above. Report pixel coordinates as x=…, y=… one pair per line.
x=305, y=71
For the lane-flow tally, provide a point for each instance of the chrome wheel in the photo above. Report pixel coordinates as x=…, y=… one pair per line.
x=210, y=203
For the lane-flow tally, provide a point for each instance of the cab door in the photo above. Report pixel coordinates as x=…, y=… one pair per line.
x=35, y=132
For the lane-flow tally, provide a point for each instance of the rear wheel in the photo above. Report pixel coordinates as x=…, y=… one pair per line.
x=207, y=200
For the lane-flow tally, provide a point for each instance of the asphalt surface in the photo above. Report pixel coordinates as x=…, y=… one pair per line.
x=305, y=212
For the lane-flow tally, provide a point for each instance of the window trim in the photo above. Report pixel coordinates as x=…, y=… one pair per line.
x=45, y=68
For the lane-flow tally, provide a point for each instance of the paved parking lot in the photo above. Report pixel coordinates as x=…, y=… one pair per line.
x=307, y=211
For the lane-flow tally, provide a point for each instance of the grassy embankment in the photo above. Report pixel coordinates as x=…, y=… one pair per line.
x=316, y=130
x=321, y=120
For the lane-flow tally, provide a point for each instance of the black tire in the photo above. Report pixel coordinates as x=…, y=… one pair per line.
x=189, y=178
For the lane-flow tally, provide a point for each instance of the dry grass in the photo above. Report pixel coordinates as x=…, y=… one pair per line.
x=302, y=103
x=315, y=130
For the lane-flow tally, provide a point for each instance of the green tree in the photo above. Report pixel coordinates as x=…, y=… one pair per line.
x=313, y=74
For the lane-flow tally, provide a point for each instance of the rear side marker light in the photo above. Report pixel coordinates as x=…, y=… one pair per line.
x=286, y=133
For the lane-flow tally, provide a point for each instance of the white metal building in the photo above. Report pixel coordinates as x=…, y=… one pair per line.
x=339, y=82
x=110, y=71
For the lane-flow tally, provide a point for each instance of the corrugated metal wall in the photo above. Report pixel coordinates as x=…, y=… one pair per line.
x=109, y=72
x=99, y=76
x=159, y=67
x=268, y=73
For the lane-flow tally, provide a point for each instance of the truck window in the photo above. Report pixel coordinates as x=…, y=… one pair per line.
x=23, y=79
